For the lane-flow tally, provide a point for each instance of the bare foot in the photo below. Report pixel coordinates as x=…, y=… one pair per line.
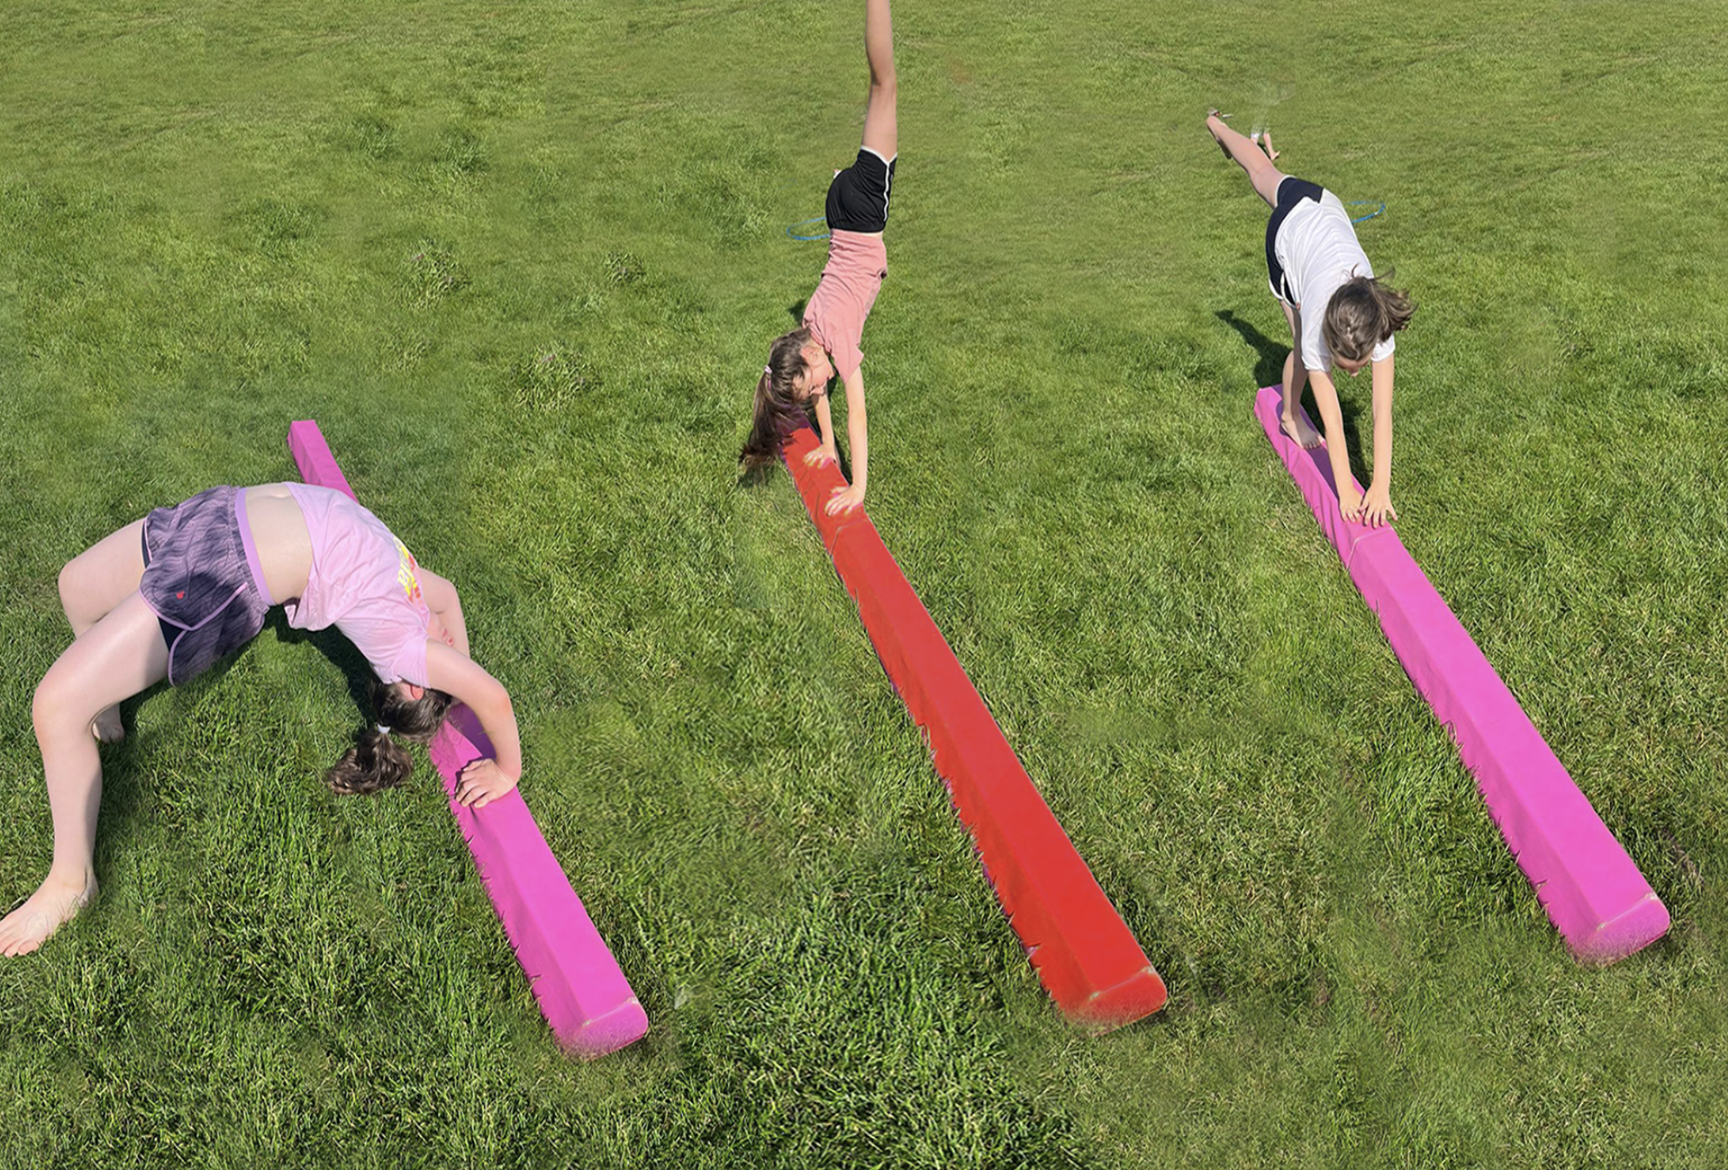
x=1214, y=115
x=1300, y=430
x=52, y=905
x=1264, y=139
x=106, y=727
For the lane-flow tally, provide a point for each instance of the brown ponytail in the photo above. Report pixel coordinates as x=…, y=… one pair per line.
x=378, y=760
x=777, y=411
x=1362, y=314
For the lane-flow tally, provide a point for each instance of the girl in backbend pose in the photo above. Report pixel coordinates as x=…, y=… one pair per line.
x=168, y=595
x=803, y=362
x=1340, y=316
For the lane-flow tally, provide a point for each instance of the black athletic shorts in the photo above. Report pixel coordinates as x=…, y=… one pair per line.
x=858, y=196
x=1291, y=191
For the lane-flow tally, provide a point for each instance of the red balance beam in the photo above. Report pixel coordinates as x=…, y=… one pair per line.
x=1083, y=952
x=581, y=991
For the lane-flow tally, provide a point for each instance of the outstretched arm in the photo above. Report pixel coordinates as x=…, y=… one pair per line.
x=881, y=122
x=1332, y=422
x=827, y=452
x=482, y=781
x=1377, y=508
x=858, y=439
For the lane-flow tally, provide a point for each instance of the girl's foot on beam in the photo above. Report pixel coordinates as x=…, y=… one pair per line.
x=55, y=903
x=1300, y=430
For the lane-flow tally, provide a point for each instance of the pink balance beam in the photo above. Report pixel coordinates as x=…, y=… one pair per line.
x=581, y=991
x=1594, y=894
x=1083, y=952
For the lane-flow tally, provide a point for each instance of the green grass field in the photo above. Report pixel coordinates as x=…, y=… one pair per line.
x=522, y=260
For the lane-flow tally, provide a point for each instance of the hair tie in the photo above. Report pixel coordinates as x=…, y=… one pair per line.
x=769, y=370
x=384, y=728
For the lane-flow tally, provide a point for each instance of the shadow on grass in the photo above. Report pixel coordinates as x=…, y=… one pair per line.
x=125, y=778
x=328, y=642
x=126, y=775
x=755, y=477
x=126, y=765
x=1269, y=371
x=339, y=650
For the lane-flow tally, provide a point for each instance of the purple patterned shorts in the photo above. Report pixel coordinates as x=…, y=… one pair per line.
x=202, y=580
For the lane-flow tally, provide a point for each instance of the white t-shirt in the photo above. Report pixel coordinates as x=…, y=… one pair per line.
x=1317, y=246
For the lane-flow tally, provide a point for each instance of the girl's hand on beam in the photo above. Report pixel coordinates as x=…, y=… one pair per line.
x=1350, y=502
x=481, y=782
x=844, y=499
x=1377, y=509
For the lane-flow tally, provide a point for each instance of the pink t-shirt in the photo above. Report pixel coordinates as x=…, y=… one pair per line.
x=364, y=582
x=857, y=265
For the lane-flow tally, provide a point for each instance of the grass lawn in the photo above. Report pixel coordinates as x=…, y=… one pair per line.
x=522, y=261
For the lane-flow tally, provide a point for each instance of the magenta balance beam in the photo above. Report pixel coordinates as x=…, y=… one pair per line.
x=581, y=991
x=1594, y=894
x=1083, y=952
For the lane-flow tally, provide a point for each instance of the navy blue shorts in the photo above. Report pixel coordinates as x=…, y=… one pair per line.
x=201, y=581
x=1291, y=192
x=858, y=196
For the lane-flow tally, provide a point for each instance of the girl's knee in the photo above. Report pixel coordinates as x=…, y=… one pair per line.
x=70, y=575
x=80, y=590
x=48, y=705
x=61, y=704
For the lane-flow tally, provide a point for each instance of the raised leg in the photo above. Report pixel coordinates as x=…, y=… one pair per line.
x=118, y=656
x=1296, y=381
x=881, y=121
x=1249, y=157
x=92, y=584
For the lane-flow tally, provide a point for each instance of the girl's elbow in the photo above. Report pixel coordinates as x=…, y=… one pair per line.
x=497, y=702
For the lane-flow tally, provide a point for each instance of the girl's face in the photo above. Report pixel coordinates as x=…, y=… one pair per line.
x=818, y=371
x=1351, y=368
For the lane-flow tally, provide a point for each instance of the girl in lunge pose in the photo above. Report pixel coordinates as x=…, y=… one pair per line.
x=1340, y=316
x=168, y=595
x=803, y=362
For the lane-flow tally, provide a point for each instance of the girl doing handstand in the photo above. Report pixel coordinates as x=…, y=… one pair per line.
x=802, y=363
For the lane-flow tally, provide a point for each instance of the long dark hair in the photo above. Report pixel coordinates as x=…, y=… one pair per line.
x=1362, y=314
x=777, y=412
x=378, y=760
